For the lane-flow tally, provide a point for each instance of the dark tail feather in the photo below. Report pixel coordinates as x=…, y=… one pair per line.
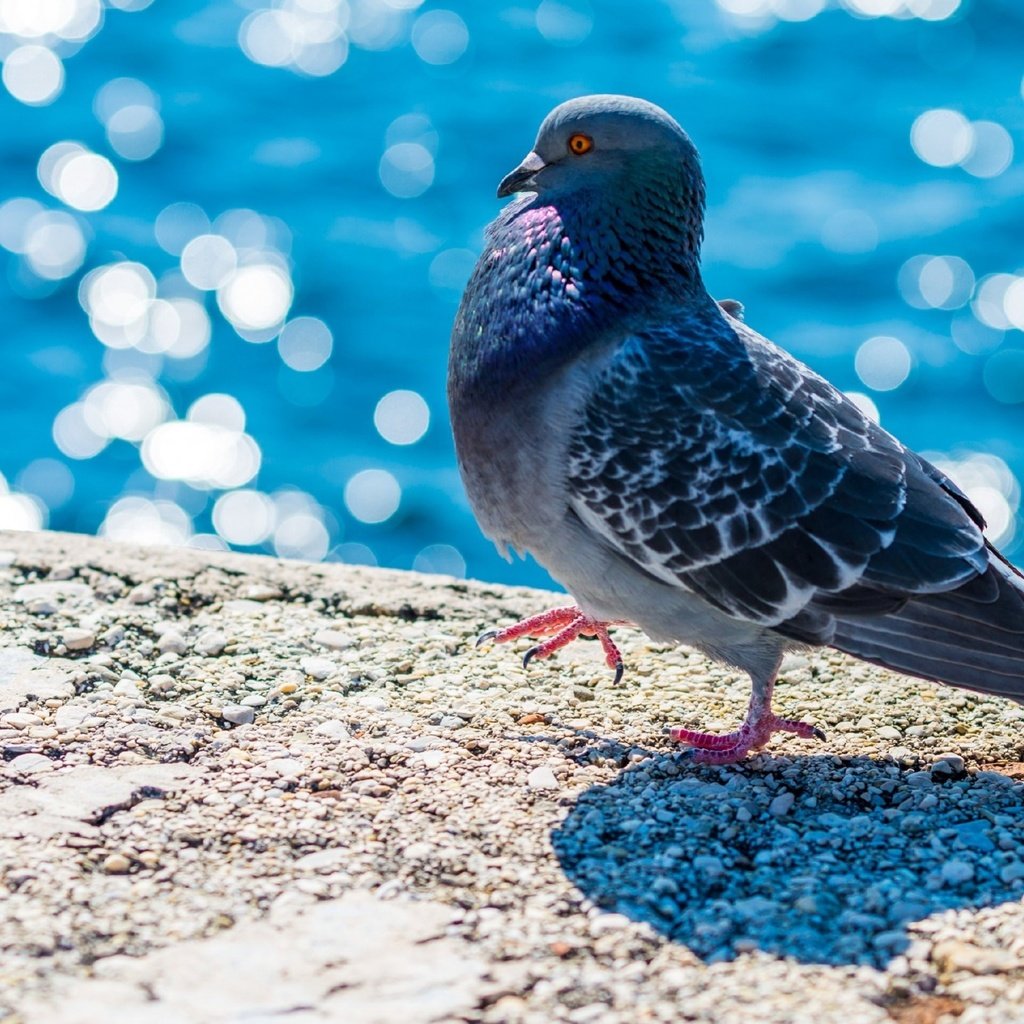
x=972, y=637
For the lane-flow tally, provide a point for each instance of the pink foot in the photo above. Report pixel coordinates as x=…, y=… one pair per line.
x=727, y=748
x=561, y=626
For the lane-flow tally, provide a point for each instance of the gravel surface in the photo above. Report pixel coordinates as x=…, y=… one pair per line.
x=238, y=789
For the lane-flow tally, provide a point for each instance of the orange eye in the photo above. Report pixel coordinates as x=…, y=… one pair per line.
x=580, y=144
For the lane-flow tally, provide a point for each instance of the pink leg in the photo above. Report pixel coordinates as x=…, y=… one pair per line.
x=755, y=732
x=561, y=626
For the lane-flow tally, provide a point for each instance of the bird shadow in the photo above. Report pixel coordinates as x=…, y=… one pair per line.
x=824, y=859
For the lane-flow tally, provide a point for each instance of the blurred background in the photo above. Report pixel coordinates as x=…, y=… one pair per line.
x=234, y=235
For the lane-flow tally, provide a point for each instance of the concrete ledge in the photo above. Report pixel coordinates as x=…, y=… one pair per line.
x=236, y=788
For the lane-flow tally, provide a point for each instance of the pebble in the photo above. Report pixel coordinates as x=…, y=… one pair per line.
x=238, y=714
x=127, y=688
x=540, y=778
x=318, y=668
x=144, y=593
x=116, y=864
x=56, y=592
x=952, y=764
x=436, y=758
x=323, y=860
x=956, y=872
x=162, y=683
x=71, y=716
x=1013, y=871
x=333, y=728
x=31, y=764
x=334, y=639
x=956, y=955
x=781, y=805
x=210, y=643
x=20, y=720
x=77, y=639
x=171, y=642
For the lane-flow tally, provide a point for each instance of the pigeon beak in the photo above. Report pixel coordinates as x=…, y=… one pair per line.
x=521, y=179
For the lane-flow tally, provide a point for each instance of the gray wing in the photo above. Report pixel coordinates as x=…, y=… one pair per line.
x=718, y=462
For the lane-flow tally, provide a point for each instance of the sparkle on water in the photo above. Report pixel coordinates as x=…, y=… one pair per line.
x=322, y=185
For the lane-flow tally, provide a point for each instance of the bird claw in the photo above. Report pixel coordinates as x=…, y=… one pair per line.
x=560, y=626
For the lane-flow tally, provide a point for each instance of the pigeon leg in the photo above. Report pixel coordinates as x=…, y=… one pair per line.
x=561, y=626
x=757, y=729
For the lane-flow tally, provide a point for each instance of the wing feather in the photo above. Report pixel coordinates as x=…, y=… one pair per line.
x=718, y=462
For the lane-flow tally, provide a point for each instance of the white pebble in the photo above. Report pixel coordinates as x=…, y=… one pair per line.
x=127, y=688
x=335, y=639
x=333, y=728
x=210, y=643
x=144, y=593
x=318, y=668
x=286, y=767
x=172, y=641
x=31, y=764
x=436, y=758
x=238, y=714
x=539, y=778
x=781, y=805
x=71, y=716
x=20, y=720
x=76, y=639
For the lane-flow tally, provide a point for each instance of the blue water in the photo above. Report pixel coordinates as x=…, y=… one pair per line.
x=796, y=121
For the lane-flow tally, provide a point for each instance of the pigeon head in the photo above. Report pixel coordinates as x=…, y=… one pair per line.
x=608, y=143
x=609, y=230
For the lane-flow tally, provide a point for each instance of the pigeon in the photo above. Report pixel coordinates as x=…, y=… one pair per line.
x=678, y=472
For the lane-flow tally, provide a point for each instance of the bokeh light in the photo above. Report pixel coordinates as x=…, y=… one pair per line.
x=208, y=261
x=20, y=511
x=256, y=297
x=78, y=177
x=407, y=169
x=33, y=74
x=53, y=244
x=244, y=517
x=140, y=520
x=564, y=22
x=440, y=558
x=990, y=484
x=440, y=37
x=306, y=36
x=402, y=417
x=305, y=343
x=373, y=495
x=936, y=282
x=883, y=363
x=942, y=138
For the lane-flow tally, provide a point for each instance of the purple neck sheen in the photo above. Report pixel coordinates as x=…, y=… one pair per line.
x=562, y=272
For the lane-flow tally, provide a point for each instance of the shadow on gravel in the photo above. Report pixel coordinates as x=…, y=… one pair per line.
x=821, y=859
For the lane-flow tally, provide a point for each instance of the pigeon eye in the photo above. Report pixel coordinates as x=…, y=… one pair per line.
x=580, y=144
